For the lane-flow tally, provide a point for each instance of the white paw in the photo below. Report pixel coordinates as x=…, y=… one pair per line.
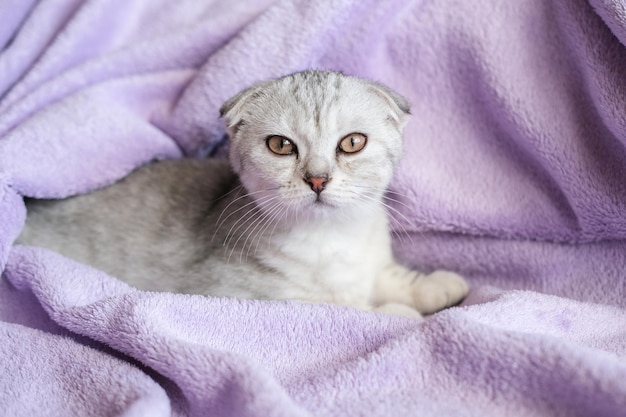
x=438, y=290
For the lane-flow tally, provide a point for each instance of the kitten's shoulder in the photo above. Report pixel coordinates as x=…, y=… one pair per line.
x=178, y=169
x=183, y=174
x=156, y=186
x=182, y=181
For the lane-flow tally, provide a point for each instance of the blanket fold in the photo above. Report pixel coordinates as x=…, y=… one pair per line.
x=512, y=175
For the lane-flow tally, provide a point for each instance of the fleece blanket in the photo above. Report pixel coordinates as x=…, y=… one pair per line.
x=514, y=175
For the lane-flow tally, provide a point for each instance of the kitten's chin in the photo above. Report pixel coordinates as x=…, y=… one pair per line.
x=318, y=206
x=321, y=207
x=325, y=208
x=320, y=212
x=311, y=209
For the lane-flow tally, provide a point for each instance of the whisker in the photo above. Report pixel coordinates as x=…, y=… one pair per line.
x=386, y=194
x=255, y=203
x=388, y=198
x=397, y=212
x=274, y=213
x=239, y=198
x=237, y=188
x=393, y=230
x=280, y=219
x=251, y=222
x=241, y=222
x=371, y=209
x=258, y=222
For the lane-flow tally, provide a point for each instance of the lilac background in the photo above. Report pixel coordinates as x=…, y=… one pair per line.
x=513, y=175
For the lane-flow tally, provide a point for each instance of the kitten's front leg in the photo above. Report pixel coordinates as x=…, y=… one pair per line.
x=425, y=293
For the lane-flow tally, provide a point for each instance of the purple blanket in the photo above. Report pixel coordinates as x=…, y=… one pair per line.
x=514, y=175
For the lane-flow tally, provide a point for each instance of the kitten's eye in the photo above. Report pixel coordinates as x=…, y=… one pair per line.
x=280, y=145
x=353, y=143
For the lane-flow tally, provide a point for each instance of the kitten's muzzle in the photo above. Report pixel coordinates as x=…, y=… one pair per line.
x=317, y=182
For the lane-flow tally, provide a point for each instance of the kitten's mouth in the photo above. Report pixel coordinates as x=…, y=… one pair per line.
x=322, y=202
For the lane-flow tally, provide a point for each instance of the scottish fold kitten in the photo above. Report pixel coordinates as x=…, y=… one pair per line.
x=298, y=213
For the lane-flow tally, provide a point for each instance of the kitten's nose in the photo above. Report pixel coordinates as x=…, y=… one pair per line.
x=317, y=182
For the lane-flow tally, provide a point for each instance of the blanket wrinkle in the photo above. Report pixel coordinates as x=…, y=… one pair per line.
x=64, y=373
x=614, y=15
x=541, y=119
x=128, y=137
x=512, y=175
x=129, y=332
x=187, y=46
x=563, y=380
x=323, y=24
x=580, y=272
x=16, y=11
x=586, y=324
x=32, y=28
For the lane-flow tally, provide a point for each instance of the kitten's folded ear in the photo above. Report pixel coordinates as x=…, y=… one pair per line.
x=232, y=109
x=400, y=106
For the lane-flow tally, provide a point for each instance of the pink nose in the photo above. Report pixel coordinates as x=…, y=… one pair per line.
x=317, y=183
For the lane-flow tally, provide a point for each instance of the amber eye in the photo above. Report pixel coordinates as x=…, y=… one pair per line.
x=280, y=145
x=352, y=143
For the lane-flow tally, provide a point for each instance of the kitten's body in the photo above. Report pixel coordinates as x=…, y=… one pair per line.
x=307, y=225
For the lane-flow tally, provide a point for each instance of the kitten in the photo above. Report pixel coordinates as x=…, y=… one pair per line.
x=297, y=214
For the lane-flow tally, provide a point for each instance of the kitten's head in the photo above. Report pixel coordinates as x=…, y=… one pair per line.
x=315, y=141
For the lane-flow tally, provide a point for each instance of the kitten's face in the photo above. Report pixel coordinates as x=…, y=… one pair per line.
x=315, y=143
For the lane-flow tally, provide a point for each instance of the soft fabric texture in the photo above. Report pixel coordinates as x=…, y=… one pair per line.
x=513, y=176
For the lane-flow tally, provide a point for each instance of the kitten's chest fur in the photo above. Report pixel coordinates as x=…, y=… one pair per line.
x=335, y=261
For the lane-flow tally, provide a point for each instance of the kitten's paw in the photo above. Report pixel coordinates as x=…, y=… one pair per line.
x=397, y=309
x=438, y=290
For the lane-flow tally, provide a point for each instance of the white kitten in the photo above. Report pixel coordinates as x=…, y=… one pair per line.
x=298, y=216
